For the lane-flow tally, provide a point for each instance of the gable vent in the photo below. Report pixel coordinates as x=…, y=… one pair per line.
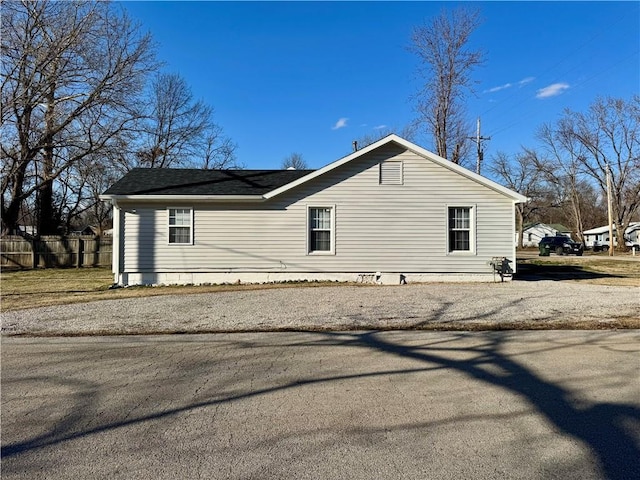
x=391, y=172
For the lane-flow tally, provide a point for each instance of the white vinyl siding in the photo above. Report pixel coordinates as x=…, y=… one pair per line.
x=391, y=172
x=399, y=228
x=180, y=226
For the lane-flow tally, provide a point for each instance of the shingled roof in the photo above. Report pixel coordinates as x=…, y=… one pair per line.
x=187, y=181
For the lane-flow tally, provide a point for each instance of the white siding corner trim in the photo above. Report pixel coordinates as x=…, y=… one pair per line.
x=116, y=242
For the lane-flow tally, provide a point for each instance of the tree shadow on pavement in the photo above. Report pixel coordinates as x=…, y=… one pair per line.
x=608, y=430
x=601, y=427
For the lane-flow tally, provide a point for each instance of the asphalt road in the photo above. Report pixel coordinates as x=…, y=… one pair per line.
x=393, y=405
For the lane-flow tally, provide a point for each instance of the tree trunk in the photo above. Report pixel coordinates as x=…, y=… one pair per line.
x=519, y=225
x=47, y=221
x=11, y=214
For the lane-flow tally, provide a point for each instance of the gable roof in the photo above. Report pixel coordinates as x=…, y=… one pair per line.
x=559, y=227
x=605, y=229
x=163, y=184
x=554, y=227
x=393, y=138
x=151, y=182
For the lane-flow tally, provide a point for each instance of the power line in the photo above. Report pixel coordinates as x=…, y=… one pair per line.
x=571, y=54
x=587, y=80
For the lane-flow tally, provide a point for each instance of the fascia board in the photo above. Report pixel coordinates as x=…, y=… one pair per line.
x=516, y=197
x=182, y=198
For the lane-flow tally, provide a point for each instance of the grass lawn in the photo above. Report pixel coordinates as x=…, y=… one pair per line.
x=22, y=289
x=45, y=287
x=598, y=269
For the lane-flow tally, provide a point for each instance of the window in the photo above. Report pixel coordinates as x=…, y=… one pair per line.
x=460, y=229
x=321, y=233
x=391, y=172
x=180, y=226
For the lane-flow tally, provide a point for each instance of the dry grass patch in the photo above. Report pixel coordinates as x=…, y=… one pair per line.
x=46, y=287
x=593, y=269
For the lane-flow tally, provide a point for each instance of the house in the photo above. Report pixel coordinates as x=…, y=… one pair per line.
x=27, y=230
x=632, y=235
x=87, y=230
x=392, y=211
x=598, y=238
x=533, y=232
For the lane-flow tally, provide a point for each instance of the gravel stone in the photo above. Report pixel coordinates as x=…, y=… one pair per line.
x=334, y=308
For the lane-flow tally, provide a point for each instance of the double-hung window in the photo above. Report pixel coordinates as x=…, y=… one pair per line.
x=180, y=226
x=460, y=229
x=321, y=230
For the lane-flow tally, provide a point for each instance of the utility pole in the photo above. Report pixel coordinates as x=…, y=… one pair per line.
x=610, y=213
x=479, y=139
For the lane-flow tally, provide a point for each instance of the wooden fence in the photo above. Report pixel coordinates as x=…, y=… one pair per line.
x=55, y=251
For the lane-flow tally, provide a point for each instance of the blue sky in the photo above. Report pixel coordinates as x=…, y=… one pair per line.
x=310, y=77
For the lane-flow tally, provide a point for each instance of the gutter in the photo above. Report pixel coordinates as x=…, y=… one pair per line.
x=182, y=198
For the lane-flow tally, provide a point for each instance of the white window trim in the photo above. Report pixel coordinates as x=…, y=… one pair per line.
x=190, y=226
x=332, y=235
x=401, y=172
x=472, y=229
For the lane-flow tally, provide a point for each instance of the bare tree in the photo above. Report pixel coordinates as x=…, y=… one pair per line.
x=520, y=174
x=179, y=130
x=442, y=45
x=217, y=151
x=610, y=135
x=174, y=125
x=561, y=169
x=85, y=182
x=295, y=161
x=71, y=73
x=583, y=144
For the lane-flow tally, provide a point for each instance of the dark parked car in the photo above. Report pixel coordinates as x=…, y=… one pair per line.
x=560, y=245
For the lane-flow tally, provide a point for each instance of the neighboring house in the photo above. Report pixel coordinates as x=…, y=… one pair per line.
x=632, y=235
x=88, y=230
x=533, y=232
x=597, y=238
x=28, y=230
x=390, y=212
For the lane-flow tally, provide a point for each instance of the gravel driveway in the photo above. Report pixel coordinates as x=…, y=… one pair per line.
x=337, y=307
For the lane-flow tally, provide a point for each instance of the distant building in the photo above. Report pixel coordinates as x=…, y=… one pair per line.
x=30, y=230
x=533, y=232
x=598, y=238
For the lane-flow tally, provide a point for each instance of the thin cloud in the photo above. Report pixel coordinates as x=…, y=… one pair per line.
x=341, y=123
x=497, y=89
x=520, y=83
x=379, y=127
x=552, y=90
